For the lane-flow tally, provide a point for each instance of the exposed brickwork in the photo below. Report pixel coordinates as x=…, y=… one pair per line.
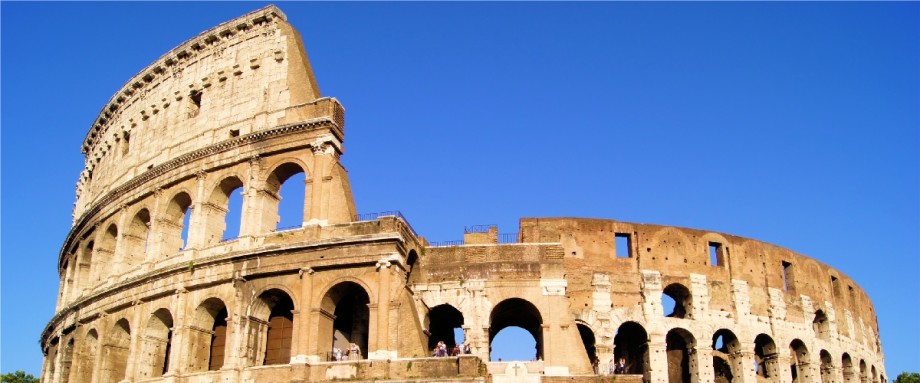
x=237, y=108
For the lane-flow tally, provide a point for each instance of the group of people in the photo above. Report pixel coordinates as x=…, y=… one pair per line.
x=617, y=368
x=612, y=368
x=440, y=349
x=352, y=353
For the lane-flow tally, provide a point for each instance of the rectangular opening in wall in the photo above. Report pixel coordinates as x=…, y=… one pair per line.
x=716, y=257
x=835, y=287
x=623, y=245
x=852, y=295
x=788, y=281
x=194, y=103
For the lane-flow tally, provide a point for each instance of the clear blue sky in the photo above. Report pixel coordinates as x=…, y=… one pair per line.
x=792, y=123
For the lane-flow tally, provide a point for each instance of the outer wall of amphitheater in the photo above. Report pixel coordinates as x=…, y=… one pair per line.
x=154, y=288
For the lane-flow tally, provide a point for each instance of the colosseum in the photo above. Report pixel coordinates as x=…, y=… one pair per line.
x=152, y=288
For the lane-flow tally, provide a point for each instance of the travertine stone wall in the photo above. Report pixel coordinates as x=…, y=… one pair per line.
x=153, y=289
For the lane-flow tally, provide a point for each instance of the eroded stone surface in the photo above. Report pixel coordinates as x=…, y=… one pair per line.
x=238, y=107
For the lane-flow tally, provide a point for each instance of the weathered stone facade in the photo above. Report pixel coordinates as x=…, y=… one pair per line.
x=237, y=108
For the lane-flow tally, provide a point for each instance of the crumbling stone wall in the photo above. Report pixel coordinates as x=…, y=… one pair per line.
x=238, y=108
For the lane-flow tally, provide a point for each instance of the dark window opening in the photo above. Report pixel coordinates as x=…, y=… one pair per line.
x=766, y=357
x=623, y=245
x=280, y=331
x=347, y=330
x=835, y=287
x=194, y=103
x=125, y=143
x=234, y=133
x=588, y=339
x=820, y=325
x=218, y=341
x=679, y=342
x=444, y=320
x=631, y=345
x=788, y=277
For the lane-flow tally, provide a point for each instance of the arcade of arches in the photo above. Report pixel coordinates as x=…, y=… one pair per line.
x=228, y=248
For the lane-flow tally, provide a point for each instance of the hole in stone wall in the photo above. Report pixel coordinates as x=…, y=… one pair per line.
x=623, y=245
x=675, y=300
x=715, y=254
x=788, y=277
x=194, y=103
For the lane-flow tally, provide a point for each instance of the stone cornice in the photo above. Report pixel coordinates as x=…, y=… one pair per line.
x=149, y=175
x=175, y=60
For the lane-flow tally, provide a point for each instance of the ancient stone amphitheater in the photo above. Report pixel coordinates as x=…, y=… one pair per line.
x=152, y=290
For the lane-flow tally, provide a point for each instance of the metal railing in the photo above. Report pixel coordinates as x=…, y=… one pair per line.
x=446, y=243
x=390, y=213
x=286, y=228
x=478, y=228
x=508, y=238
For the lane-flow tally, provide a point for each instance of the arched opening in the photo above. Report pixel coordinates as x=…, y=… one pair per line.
x=863, y=372
x=50, y=362
x=516, y=312
x=726, y=356
x=175, y=224
x=827, y=367
x=208, y=336
x=675, y=299
x=798, y=361
x=218, y=341
x=345, y=333
x=631, y=346
x=104, y=253
x=222, y=213
x=67, y=360
x=115, y=353
x=84, y=274
x=287, y=185
x=411, y=260
x=765, y=357
x=157, y=343
x=444, y=321
x=849, y=373
x=821, y=325
x=588, y=339
x=82, y=370
x=680, y=347
x=874, y=375
x=136, y=240
x=279, y=330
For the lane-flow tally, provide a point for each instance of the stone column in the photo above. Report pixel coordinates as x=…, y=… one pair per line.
x=742, y=369
x=58, y=357
x=314, y=206
x=101, y=334
x=382, y=334
x=783, y=369
x=155, y=235
x=179, y=344
x=658, y=359
x=304, y=321
x=248, y=218
x=236, y=326
x=134, y=352
x=197, y=229
x=118, y=264
x=701, y=364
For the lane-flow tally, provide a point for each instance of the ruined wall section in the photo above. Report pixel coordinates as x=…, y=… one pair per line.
x=243, y=76
x=753, y=281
